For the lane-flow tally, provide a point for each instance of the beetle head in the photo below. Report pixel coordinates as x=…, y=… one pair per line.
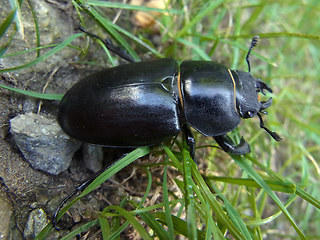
x=247, y=99
x=248, y=102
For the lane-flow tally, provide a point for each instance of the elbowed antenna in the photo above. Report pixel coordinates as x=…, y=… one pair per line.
x=254, y=43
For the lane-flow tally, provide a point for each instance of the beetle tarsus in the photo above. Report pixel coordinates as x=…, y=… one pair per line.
x=226, y=143
x=274, y=135
x=82, y=186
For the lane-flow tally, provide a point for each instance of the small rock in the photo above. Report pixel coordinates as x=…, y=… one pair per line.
x=43, y=143
x=36, y=222
x=92, y=156
x=5, y=215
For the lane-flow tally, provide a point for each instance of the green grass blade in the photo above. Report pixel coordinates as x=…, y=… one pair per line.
x=46, y=55
x=189, y=195
x=234, y=215
x=216, y=206
x=34, y=94
x=131, y=219
x=275, y=185
x=166, y=202
x=83, y=228
x=252, y=173
x=205, y=10
x=179, y=224
x=111, y=170
x=116, y=167
x=158, y=229
x=119, y=5
x=110, y=28
x=105, y=227
x=36, y=25
x=7, y=22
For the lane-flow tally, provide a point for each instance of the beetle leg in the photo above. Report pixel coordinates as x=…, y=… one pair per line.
x=54, y=220
x=272, y=134
x=190, y=141
x=228, y=145
x=80, y=188
x=116, y=50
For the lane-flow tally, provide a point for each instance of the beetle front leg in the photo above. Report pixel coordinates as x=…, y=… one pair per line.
x=228, y=145
x=190, y=141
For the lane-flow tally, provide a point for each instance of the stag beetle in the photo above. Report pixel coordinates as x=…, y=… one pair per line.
x=145, y=103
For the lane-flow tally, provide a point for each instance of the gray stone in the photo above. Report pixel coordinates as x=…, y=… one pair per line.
x=43, y=143
x=5, y=215
x=92, y=156
x=36, y=222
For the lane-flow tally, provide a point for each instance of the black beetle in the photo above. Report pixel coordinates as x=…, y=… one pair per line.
x=145, y=103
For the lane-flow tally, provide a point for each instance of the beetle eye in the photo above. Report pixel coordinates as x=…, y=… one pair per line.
x=250, y=114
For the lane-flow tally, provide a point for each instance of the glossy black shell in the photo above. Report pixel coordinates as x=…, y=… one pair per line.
x=208, y=97
x=129, y=105
x=146, y=103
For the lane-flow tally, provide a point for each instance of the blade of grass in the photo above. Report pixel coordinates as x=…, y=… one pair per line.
x=216, y=206
x=189, y=194
x=203, y=55
x=131, y=219
x=303, y=194
x=180, y=226
x=273, y=184
x=131, y=7
x=83, y=228
x=252, y=173
x=110, y=171
x=36, y=25
x=167, y=208
x=234, y=215
x=46, y=96
x=109, y=26
x=205, y=10
x=56, y=49
x=116, y=167
x=15, y=4
x=105, y=227
x=7, y=22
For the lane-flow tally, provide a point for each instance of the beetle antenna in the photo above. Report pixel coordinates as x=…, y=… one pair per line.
x=272, y=134
x=254, y=43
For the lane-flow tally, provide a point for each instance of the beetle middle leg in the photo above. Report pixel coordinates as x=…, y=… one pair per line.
x=190, y=141
x=229, y=146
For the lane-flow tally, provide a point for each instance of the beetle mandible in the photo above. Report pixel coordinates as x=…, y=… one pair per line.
x=145, y=103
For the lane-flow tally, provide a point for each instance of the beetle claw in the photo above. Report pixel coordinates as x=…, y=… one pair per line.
x=261, y=86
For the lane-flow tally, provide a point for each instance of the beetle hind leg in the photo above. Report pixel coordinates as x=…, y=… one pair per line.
x=229, y=146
